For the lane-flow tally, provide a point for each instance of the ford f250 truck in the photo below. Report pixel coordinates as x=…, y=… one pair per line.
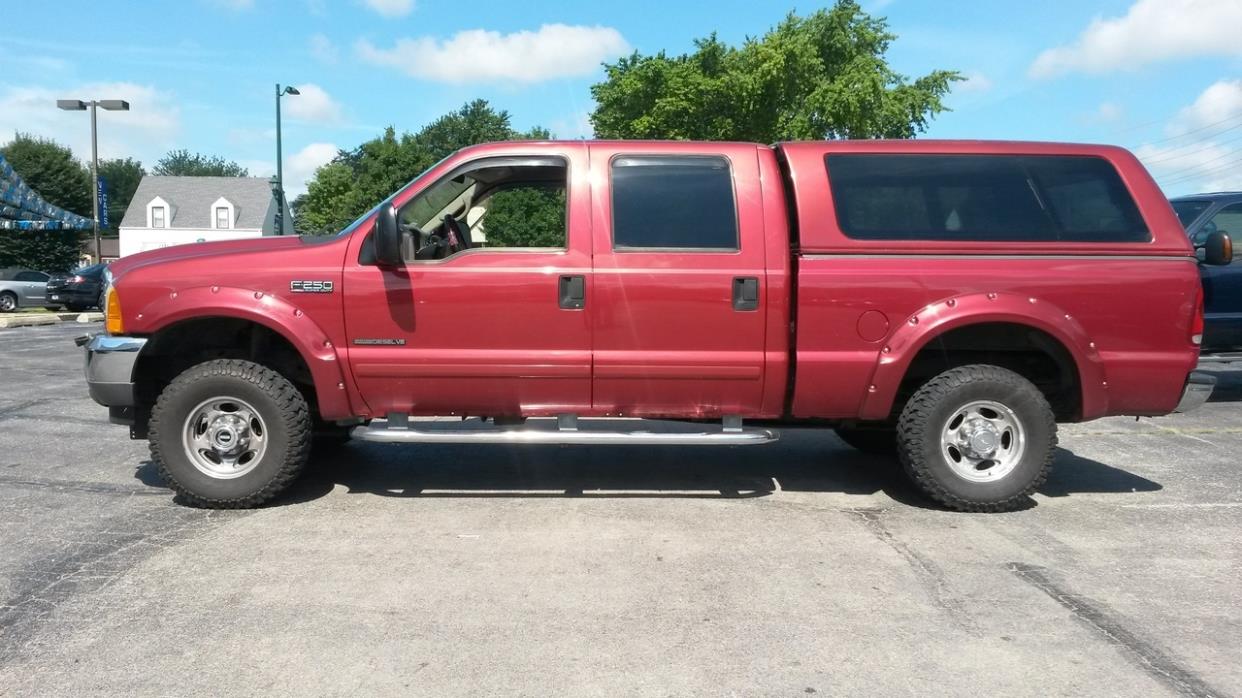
x=946, y=302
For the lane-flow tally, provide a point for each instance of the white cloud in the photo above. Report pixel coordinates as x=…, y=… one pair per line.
x=148, y=130
x=577, y=126
x=323, y=50
x=1201, y=152
x=1222, y=100
x=1150, y=31
x=391, y=8
x=312, y=104
x=975, y=82
x=1108, y=112
x=552, y=51
x=300, y=167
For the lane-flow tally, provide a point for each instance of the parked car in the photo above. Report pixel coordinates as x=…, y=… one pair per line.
x=21, y=288
x=946, y=301
x=78, y=290
x=1203, y=215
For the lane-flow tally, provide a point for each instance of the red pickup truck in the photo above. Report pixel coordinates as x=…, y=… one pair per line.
x=946, y=302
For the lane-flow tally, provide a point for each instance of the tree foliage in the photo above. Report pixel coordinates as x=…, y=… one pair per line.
x=45, y=250
x=50, y=169
x=183, y=163
x=358, y=179
x=809, y=78
x=121, y=176
x=526, y=217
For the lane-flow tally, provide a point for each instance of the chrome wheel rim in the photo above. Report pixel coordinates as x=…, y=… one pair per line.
x=982, y=441
x=7, y=303
x=224, y=437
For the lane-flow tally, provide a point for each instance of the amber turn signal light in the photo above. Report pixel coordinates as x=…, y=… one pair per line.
x=113, y=323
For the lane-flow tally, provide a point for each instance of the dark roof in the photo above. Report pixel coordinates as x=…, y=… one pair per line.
x=1210, y=196
x=190, y=199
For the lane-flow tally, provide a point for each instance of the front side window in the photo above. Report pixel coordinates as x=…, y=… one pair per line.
x=157, y=217
x=222, y=217
x=1228, y=220
x=995, y=198
x=679, y=203
x=498, y=203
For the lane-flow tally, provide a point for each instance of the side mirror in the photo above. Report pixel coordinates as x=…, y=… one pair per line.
x=387, y=237
x=1218, y=249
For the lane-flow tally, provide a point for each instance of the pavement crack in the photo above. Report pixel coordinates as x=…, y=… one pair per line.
x=1105, y=622
x=928, y=573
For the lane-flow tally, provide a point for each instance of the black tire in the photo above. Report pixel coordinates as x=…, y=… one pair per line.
x=880, y=441
x=8, y=302
x=282, y=408
x=927, y=462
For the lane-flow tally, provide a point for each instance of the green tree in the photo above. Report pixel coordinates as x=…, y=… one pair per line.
x=358, y=179
x=121, y=176
x=809, y=78
x=50, y=169
x=183, y=163
x=526, y=217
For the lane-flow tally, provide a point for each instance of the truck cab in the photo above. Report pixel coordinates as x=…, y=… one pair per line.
x=946, y=302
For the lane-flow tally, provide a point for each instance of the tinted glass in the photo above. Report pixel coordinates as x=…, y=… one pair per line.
x=1188, y=211
x=31, y=276
x=1228, y=220
x=982, y=197
x=673, y=203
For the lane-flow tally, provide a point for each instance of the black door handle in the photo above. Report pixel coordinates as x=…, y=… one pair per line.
x=573, y=292
x=745, y=293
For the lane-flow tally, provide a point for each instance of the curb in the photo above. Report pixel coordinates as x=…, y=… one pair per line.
x=41, y=319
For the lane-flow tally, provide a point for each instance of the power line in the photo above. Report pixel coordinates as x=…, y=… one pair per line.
x=1199, y=130
x=1223, y=167
x=1210, y=144
x=1199, y=167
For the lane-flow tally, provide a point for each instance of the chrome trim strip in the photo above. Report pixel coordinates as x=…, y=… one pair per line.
x=381, y=434
x=106, y=344
x=966, y=256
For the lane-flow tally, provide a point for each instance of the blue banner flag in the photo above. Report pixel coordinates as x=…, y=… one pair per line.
x=103, y=203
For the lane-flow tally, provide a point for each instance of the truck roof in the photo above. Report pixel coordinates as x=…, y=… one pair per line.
x=861, y=145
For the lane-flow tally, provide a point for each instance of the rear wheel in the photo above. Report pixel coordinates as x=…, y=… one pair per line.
x=8, y=302
x=977, y=438
x=230, y=434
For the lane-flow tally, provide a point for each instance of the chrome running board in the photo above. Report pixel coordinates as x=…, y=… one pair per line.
x=554, y=431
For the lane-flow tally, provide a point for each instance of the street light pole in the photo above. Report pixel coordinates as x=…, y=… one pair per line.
x=95, y=184
x=279, y=191
x=81, y=105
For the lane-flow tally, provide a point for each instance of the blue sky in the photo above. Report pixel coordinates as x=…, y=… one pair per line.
x=1162, y=77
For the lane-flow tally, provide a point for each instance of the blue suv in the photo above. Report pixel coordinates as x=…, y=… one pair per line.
x=1202, y=215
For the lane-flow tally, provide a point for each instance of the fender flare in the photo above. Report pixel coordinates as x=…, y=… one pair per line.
x=272, y=312
x=935, y=319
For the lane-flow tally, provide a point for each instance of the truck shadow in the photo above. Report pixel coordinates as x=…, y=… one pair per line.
x=799, y=464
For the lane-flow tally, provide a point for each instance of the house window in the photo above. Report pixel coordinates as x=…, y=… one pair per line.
x=157, y=217
x=222, y=217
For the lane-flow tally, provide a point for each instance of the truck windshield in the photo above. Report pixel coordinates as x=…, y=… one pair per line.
x=1187, y=211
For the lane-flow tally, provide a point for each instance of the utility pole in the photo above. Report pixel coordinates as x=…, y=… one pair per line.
x=81, y=105
x=279, y=189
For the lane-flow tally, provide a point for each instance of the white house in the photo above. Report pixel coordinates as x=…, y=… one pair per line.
x=182, y=210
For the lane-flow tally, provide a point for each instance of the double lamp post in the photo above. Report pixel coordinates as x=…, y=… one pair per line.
x=82, y=105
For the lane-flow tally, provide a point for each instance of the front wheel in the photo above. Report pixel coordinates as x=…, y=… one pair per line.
x=230, y=434
x=977, y=438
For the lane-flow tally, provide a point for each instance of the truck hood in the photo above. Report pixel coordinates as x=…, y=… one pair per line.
x=198, y=250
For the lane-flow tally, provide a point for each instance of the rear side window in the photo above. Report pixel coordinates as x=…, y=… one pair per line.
x=983, y=198
x=673, y=203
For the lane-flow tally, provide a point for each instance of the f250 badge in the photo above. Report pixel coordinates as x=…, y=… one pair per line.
x=310, y=287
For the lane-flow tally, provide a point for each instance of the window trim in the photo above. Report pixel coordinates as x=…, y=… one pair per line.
x=479, y=164
x=160, y=203
x=612, y=209
x=1061, y=235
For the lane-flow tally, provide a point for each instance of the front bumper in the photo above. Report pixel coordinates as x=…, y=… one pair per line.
x=1198, y=389
x=110, y=368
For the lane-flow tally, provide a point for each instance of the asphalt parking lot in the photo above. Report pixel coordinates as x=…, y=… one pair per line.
x=797, y=568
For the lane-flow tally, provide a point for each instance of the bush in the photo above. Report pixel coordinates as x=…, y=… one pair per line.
x=45, y=250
